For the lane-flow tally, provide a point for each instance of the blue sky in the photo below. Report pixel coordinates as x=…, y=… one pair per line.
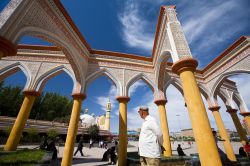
x=129, y=27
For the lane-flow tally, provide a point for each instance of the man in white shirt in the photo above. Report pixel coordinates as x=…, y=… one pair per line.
x=150, y=140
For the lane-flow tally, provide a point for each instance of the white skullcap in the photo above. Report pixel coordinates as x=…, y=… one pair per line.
x=143, y=108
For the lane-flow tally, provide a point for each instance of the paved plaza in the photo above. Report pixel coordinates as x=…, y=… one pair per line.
x=93, y=156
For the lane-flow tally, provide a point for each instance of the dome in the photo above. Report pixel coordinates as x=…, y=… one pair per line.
x=87, y=120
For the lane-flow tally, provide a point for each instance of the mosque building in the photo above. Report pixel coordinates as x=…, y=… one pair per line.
x=102, y=121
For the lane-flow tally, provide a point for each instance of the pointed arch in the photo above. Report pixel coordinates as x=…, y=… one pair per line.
x=12, y=69
x=57, y=41
x=224, y=76
x=41, y=81
x=236, y=97
x=103, y=72
x=176, y=83
x=225, y=98
x=137, y=77
x=205, y=93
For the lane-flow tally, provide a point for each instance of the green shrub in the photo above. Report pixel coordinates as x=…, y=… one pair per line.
x=52, y=133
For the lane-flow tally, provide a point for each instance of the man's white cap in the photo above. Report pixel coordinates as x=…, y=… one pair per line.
x=143, y=108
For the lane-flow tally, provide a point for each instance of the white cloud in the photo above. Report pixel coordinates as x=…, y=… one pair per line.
x=134, y=31
x=136, y=85
x=198, y=24
x=102, y=100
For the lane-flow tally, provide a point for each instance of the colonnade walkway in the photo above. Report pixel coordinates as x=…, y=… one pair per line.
x=93, y=156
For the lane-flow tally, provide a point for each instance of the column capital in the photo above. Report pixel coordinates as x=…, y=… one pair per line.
x=80, y=96
x=123, y=98
x=186, y=64
x=31, y=93
x=160, y=102
x=231, y=110
x=7, y=47
x=244, y=114
x=214, y=108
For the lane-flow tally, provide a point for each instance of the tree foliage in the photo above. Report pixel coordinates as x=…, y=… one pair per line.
x=93, y=131
x=48, y=106
x=52, y=133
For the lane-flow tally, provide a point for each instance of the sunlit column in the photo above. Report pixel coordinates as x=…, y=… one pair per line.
x=164, y=127
x=223, y=133
x=201, y=127
x=7, y=48
x=17, y=129
x=238, y=126
x=246, y=116
x=72, y=129
x=123, y=138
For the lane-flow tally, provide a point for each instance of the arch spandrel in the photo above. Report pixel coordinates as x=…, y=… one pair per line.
x=9, y=68
x=43, y=21
x=176, y=83
x=237, y=98
x=236, y=65
x=49, y=71
x=113, y=74
x=205, y=93
x=139, y=76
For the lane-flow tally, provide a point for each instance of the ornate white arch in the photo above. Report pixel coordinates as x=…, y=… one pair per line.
x=137, y=77
x=104, y=72
x=176, y=83
x=204, y=91
x=12, y=69
x=222, y=77
x=60, y=43
x=41, y=81
x=225, y=98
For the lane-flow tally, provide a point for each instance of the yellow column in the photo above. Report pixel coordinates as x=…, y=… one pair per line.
x=123, y=138
x=238, y=126
x=17, y=129
x=246, y=119
x=72, y=130
x=206, y=145
x=223, y=133
x=164, y=127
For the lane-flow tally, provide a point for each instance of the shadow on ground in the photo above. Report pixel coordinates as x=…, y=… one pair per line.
x=77, y=160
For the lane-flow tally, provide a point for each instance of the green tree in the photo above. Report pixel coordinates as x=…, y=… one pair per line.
x=32, y=134
x=48, y=106
x=93, y=131
x=52, y=133
x=11, y=99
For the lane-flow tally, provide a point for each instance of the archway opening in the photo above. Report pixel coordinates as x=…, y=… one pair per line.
x=11, y=96
x=32, y=40
x=178, y=118
x=140, y=94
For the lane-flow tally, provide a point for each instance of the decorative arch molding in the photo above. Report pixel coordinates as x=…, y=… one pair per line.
x=160, y=68
x=224, y=76
x=176, y=83
x=13, y=68
x=104, y=72
x=41, y=81
x=204, y=91
x=60, y=43
x=137, y=77
x=225, y=98
x=237, y=99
